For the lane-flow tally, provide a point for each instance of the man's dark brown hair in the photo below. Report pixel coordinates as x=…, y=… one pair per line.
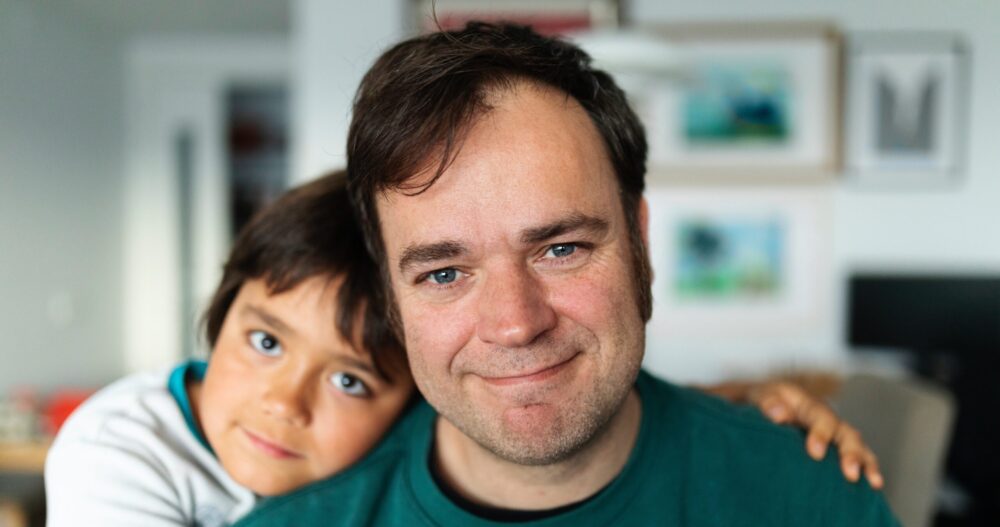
x=421, y=96
x=311, y=231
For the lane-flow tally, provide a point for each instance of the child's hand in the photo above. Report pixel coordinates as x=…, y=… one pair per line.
x=787, y=403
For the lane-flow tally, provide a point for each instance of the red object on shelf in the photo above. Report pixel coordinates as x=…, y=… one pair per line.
x=59, y=407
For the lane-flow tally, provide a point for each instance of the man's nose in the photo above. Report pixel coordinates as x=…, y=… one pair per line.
x=514, y=309
x=286, y=397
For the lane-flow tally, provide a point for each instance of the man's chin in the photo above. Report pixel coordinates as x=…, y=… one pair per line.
x=535, y=450
x=542, y=420
x=534, y=434
x=532, y=420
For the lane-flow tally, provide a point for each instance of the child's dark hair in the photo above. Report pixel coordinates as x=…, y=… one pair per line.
x=311, y=231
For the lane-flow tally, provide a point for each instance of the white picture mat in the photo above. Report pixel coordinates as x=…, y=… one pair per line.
x=905, y=64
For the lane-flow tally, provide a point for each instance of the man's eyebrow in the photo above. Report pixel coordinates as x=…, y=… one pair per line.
x=421, y=254
x=269, y=319
x=575, y=222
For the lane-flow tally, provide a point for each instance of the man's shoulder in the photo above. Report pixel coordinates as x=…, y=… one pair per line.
x=698, y=410
x=733, y=452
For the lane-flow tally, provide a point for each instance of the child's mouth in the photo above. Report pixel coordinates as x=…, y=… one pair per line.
x=268, y=447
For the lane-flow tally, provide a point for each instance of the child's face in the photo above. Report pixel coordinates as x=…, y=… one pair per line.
x=286, y=401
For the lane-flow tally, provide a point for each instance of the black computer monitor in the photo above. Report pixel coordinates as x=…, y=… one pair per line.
x=951, y=324
x=924, y=313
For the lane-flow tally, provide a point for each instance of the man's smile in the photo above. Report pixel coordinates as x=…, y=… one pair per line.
x=538, y=374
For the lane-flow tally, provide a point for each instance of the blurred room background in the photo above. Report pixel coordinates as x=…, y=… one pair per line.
x=824, y=190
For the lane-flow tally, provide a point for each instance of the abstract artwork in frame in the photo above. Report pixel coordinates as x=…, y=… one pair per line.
x=907, y=103
x=755, y=103
x=549, y=17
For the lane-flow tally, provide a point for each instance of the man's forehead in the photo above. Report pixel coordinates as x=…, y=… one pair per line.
x=495, y=99
x=535, y=158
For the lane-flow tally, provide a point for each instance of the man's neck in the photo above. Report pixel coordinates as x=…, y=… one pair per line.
x=482, y=477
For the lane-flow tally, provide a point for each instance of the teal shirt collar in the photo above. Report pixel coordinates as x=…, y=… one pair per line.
x=189, y=370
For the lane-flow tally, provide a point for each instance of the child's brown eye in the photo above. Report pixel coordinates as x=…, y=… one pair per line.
x=349, y=384
x=265, y=343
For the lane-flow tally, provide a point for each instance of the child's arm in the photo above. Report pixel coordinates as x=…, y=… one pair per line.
x=90, y=483
x=786, y=402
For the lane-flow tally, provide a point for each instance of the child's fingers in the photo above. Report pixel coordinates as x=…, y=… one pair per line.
x=822, y=424
x=856, y=456
x=872, y=471
x=775, y=409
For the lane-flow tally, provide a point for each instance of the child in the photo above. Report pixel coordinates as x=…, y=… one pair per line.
x=304, y=378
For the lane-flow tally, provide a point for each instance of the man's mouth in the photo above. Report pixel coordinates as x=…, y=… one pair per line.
x=532, y=375
x=268, y=447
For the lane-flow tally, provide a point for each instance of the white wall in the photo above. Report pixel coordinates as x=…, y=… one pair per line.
x=946, y=228
x=179, y=83
x=61, y=119
x=949, y=229
x=333, y=44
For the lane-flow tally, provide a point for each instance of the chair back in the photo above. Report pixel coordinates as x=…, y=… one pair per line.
x=908, y=425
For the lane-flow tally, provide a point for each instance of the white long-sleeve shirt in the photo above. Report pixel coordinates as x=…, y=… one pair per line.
x=127, y=457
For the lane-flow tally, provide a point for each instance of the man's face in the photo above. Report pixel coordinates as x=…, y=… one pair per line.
x=512, y=275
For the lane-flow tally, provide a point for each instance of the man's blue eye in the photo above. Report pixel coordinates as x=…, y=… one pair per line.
x=562, y=250
x=265, y=343
x=443, y=276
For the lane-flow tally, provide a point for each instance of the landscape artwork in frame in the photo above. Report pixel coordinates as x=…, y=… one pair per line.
x=907, y=108
x=727, y=258
x=749, y=259
x=755, y=103
x=549, y=17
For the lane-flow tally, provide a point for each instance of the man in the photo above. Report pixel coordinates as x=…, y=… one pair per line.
x=500, y=179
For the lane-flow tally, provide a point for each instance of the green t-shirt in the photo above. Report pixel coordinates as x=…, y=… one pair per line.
x=698, y=461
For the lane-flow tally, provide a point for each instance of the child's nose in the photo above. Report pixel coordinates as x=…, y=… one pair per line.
x=287, y=400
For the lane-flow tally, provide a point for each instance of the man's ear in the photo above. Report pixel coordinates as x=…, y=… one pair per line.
x=644, y=229
x=644, y=221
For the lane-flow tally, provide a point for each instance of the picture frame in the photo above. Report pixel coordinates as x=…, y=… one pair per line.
x=548, y=17
x=762, y=275
x=702, y=339
x=907, y=109
x=757, y=103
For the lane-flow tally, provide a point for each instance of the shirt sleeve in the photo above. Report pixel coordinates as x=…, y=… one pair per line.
x=93, y=483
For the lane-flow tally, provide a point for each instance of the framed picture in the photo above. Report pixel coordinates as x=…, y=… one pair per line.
x=750, y=260
x=907, y=96
x=756, y=103
x=743, y=280
x=549, y=17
